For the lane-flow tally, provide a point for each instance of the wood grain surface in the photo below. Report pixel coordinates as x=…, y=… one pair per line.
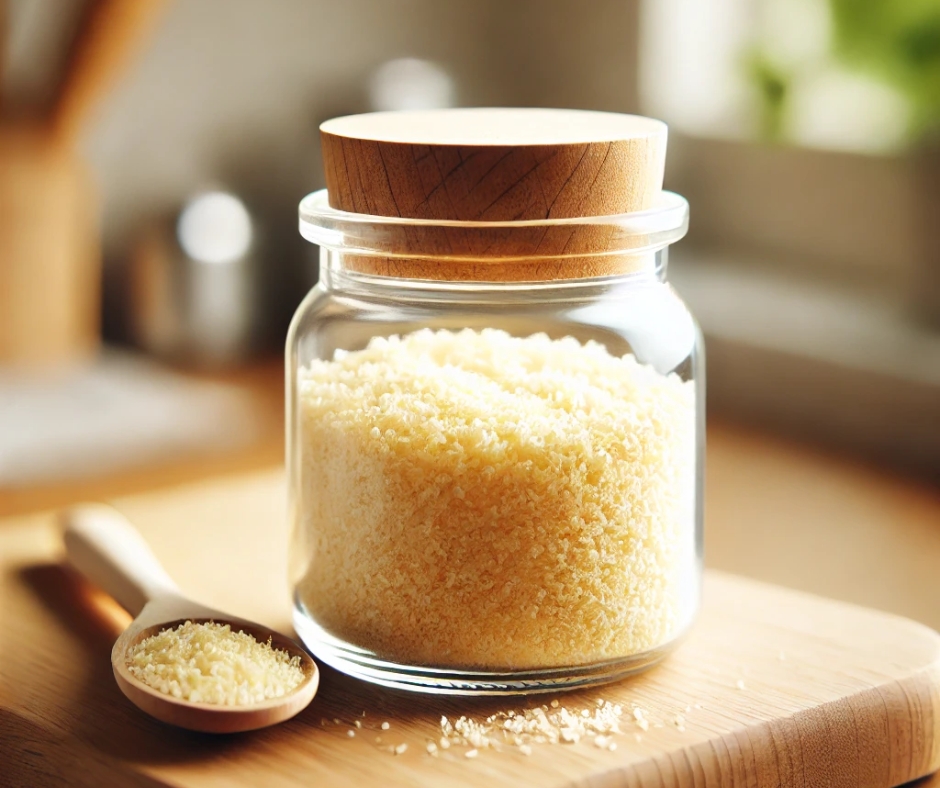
x=494, y=165
x=784, y=688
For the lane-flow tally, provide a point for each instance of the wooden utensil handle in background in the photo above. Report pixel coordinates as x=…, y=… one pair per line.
x=102, y=545
x=108, y=35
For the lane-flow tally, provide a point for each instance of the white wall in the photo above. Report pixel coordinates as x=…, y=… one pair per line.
x=232, y=91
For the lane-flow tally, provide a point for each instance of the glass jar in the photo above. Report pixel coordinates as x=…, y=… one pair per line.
x=495, y=478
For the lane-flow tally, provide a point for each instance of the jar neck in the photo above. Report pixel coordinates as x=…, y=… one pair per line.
x=339, y=272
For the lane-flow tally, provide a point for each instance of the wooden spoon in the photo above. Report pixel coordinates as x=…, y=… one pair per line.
x=103, y=546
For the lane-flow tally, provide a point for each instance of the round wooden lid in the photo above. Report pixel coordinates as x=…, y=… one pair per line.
x=493, y=164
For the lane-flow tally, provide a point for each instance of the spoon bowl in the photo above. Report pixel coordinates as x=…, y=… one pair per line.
x=104, y=547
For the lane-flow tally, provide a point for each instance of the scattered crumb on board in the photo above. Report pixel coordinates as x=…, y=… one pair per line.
x=517, y=730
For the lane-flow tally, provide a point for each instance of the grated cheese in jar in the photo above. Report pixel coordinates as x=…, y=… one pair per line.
x=478, y=500
x=210, y=663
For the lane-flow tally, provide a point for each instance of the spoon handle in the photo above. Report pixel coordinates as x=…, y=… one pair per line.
x=102, y=545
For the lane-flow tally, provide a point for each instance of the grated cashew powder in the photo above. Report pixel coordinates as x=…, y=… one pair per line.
x=476, y=500
x=210, y=663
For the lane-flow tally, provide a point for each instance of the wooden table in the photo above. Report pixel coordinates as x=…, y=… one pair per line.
x=776, y=511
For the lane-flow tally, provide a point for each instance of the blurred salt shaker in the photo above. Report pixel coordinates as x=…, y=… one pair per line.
x=194, y=284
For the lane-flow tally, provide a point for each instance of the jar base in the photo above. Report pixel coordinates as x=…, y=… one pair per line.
x=362, y=664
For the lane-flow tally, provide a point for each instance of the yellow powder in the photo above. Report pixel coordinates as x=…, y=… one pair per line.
x=472, y=499
x=209, y=663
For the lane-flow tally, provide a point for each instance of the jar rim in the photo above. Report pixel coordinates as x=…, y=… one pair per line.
x=633, y=233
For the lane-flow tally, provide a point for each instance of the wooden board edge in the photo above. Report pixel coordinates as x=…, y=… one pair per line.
x=882, y=737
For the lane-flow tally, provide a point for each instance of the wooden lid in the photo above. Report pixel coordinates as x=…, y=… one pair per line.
x=496, y=165
x=493, y=164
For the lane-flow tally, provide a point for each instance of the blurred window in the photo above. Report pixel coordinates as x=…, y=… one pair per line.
x=805, y=133
x=834, y=74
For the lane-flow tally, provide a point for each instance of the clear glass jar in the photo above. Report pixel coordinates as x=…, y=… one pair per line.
x=495, y=486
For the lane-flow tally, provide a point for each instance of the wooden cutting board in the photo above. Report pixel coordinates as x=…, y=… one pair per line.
x=775, y=687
